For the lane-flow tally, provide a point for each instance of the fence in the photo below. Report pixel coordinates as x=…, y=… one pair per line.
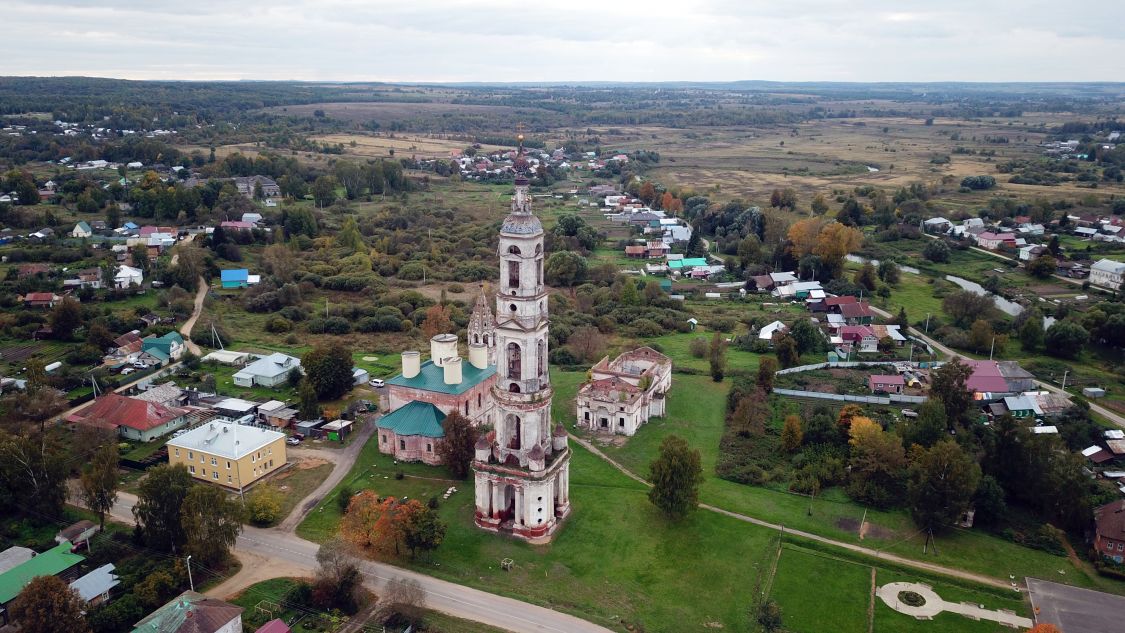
x=844, y=365
x=843, y=397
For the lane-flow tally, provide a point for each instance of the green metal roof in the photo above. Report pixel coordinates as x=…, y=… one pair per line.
x=690, y=262
x=414, y=418
x=49, y=563
x=432, y=378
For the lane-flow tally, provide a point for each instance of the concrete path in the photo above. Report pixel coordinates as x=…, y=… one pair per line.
x=867, y=551
x=934, y=605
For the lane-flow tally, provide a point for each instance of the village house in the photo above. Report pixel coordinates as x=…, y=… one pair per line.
x=77, y=533
x=1028, y=253
x=937, y=225
x=168, y=395
x=131, y=418
x=624, y=393
x=267, y=371
x=856, y=313
x=57, y=561
x=1109, y=530
x=995, y=241
x=40, y=300
x=82, y=229
x=1108, y=274
x=231, y=455
x=769, y=331
x=192, y=612
x=235, y=278
x=127, y=276
x=861, y=337
x=883, y=383
x=95, y=587
x=166, y=348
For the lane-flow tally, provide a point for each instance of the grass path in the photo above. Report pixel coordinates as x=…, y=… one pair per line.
x=906, y=562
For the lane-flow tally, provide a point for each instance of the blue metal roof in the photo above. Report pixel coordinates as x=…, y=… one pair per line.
x=237, y=274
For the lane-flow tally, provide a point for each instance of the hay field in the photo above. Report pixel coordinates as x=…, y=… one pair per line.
x=404, y=145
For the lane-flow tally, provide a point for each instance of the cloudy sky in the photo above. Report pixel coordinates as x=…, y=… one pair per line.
x=567, y=40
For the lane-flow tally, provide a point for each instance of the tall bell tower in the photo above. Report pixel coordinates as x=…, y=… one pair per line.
x=522, y=468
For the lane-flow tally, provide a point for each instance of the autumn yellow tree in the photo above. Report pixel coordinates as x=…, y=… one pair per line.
x=803, y=236
x=834, y=242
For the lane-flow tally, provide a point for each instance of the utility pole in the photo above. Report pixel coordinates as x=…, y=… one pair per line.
x=190, y=581
x=992, y=349
x=927, y=323
x=1064, y=379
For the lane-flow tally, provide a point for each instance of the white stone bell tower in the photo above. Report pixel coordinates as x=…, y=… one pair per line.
x=523, y=468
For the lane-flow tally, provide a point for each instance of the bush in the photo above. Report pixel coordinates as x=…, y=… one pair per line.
x=279, y=325
x=698, y=347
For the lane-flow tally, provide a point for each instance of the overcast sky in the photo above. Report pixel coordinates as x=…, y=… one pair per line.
x=567, y=40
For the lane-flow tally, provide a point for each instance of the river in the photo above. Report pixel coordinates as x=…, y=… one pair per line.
x=863, y=260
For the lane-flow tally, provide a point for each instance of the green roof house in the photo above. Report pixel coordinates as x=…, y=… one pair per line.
x=169, y=346
x=57, y=561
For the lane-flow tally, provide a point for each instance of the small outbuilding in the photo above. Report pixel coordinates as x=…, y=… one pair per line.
x=886, y=383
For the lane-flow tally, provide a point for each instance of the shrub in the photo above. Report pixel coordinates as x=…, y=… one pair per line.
x=698, y=347
x=279, y=325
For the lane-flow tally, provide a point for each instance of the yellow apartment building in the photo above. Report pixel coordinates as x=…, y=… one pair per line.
x=228, y=454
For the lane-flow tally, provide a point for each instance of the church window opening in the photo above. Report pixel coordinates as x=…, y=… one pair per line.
x=514, y=432
x=476, y=338
x=480, y=400
x=514, y=250
x=514, y=388
x=513, y=274
x=466, y=407
x=515, y=363
x=541, y=358
x=402, y=445
x=512, y=307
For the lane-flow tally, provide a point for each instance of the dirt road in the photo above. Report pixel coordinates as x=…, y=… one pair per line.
x=188, y=325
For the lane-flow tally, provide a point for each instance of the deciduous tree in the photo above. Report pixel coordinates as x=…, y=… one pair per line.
x=785, y=348
x=942, y=481
x=1066, y=339
x=48, y=605
x=457, y=449
x=834, y=242
x=378, y=526
x=99, y=481
x=66, y=317
x=675, y=474
x=211, y=522
x=767, y=367
x=329, y=369
x=263, y=504
x=157, y=511
x=947, y=384
x=877, y=463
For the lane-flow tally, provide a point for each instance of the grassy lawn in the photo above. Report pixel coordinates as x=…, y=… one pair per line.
x=602, y=566
x=842, y=591
x=695, y=412
x=296, y=483
x=140, y=450
x=224, y=384
x=266, y=600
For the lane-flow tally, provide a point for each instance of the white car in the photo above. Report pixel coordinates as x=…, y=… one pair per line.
x=292, y=441
x=140, y=365
x=127, y=371
x=377, y=383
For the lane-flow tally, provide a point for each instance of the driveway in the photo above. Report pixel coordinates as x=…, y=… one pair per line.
x=342, y=461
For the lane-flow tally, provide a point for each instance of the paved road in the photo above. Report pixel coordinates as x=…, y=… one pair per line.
x=188, y=325
x=867, y=551
x=292, y=554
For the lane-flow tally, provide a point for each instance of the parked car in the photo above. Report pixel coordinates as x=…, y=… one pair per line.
x=292, y=441
x=127, y=371
x=140, y=364
x=909, y=413
x=377, y=383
